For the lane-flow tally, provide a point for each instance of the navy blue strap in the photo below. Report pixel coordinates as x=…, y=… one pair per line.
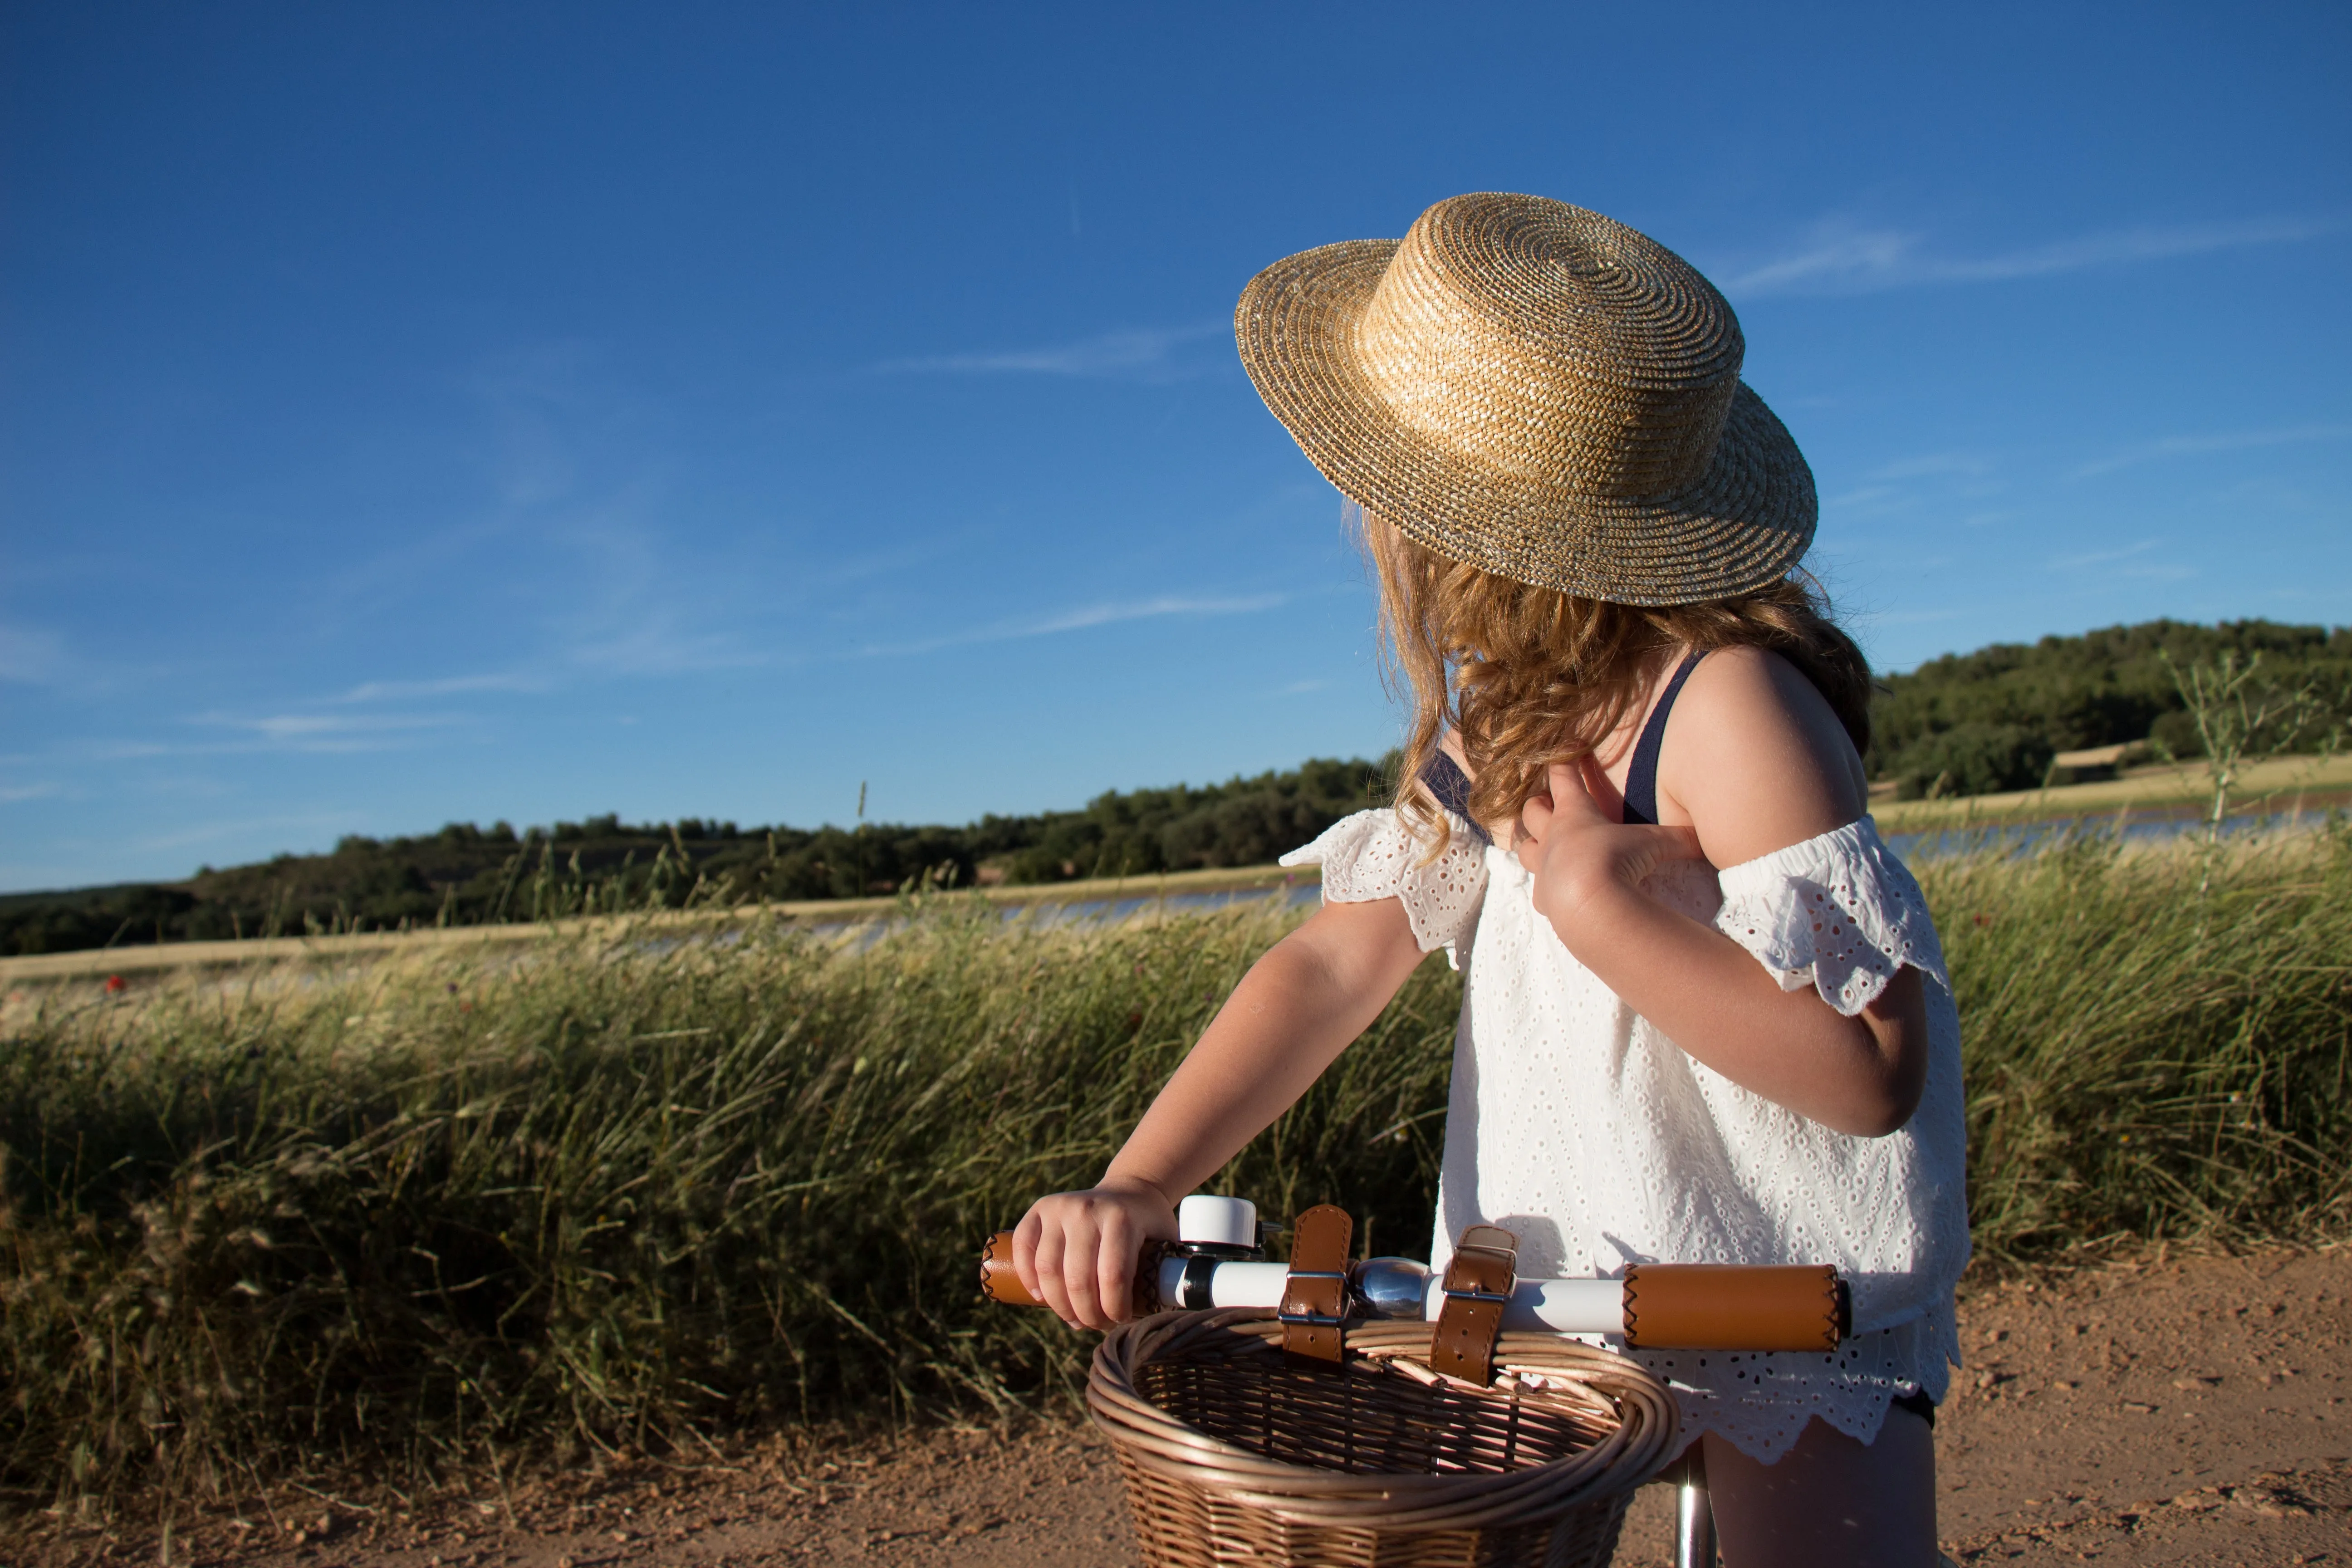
x=1641, y=778
x=1450, y=785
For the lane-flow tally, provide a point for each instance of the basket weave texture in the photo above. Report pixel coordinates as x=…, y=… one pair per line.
x=1234, y=1453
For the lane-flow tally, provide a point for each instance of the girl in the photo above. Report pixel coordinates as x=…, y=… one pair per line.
x=1706, y=1017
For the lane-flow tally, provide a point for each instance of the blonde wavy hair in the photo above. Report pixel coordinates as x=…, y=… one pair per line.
x=1529, y=677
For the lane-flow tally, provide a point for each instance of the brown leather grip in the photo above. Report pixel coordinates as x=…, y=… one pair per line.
x=1478, y=1280
x=1314, y=1297
x=998, y=1282
x=1734, y=1307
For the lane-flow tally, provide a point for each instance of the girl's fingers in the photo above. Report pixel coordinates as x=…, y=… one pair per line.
x=1026, y=1236
x=1685, y=843
x=1115, y=1268
x=1571, y=802
x=1572, y=810
x=1573, y=799
x=1052, y=1247
x=1597, y=787
x=1576, y=795
x=1534, y=818
x=1660, y=845
x=1078, y=1277
x=1076, y=1252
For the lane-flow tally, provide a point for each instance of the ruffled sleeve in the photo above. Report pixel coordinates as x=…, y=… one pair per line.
x=1373, y=855
x=1838, y=912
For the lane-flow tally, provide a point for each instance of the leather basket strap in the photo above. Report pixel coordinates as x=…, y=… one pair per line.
x=1314, y=1297
x=1478, y=1280
x=1734, y=1307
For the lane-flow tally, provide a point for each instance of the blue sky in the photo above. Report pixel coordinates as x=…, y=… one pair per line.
x=453, y=412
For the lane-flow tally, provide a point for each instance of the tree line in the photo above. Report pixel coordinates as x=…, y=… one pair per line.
x=1963, y=725
x=1975, y=724
x=467, y=875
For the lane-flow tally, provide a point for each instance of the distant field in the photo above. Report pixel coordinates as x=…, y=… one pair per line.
x=2310, y=782
x=2287, y=785
x=446, y=1204
x=807, y=914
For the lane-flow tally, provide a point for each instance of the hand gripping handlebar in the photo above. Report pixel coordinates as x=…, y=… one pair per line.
x=1654, y=1306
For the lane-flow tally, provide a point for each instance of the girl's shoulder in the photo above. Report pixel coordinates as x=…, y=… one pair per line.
x=1754, y=758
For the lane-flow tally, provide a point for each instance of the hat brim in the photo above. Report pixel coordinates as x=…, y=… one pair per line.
x=1742, y=526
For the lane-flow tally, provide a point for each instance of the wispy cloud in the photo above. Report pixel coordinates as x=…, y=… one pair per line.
x=11, y=793
x=1906, y=482
x=1081, y=619
x=2104, y=557
x=659, y=645
x=1145, y=351
x=30, y=656
x=640, y=606
x=1861, y=497
x=2220, y=441
x=1933, y=465
x=1842, y=259
x=1918, y=618
x=552, y=412
x=1173, y=604
x=263, y=735
x=283, y=829
x=309, y=733
x=1835, y=255
x=449, y=685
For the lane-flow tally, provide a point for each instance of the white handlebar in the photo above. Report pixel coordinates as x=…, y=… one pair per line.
x=1557, y=1306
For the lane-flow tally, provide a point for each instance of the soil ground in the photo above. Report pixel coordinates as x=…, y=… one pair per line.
x=2191, y=1411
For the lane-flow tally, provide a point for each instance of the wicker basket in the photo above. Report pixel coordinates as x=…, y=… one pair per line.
x=1234, y=1453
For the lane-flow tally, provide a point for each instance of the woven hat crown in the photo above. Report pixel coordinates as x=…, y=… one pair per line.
x=1553, y=344
x=1537, y=391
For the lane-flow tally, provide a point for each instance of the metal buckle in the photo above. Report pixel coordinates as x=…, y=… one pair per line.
x=1316, y=1320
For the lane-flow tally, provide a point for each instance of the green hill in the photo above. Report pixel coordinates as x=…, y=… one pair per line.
x=1992, y=719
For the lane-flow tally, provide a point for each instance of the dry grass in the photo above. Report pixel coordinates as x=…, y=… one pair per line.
x=626, y=1192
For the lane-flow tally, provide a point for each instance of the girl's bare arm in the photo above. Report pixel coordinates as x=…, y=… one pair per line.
x=1754, y=762
x=1292, y=1015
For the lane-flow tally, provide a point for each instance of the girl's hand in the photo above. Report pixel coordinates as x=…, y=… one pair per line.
x=1289, y=1018
x=1579, y=858
x=1076, y=1251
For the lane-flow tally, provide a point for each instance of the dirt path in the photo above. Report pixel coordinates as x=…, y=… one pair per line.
x=2191, y=1413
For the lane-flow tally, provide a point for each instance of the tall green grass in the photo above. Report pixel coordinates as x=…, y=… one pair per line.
x=2147, y=1060
x=623, y=1195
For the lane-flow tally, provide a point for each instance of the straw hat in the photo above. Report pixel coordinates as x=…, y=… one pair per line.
x=1537, y=390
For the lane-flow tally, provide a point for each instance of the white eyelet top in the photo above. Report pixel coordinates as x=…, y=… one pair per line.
x=1575, y=1125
